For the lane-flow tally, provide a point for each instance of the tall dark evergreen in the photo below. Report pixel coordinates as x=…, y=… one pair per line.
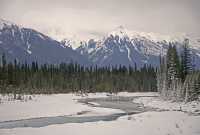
x=173, y=64
x=186, y=60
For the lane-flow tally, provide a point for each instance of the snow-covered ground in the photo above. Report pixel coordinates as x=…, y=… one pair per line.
x=157, y=102
x=50, y=105
x=139, y=94
x=148, y=123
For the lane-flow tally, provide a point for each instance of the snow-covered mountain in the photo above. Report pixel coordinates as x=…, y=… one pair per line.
x=127, y=48
x=117, y=47
x=29, y=45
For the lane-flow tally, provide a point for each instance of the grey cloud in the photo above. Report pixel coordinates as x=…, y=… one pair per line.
x=95, y=17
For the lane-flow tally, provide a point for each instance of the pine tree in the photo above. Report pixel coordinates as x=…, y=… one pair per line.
x=162, y=78
x=173, y=64
x=4, y=76
x=186, y=60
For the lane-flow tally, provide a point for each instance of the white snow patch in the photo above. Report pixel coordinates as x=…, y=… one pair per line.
x=137, y=94
x=149, y=123
x=28, y=51
x=105, y=57
x=157, y=102
x=94, y=95
x=3, y=23
x=135, y=46
x=90, y=50
x=198, y=54
x=21, y=35
x=121, y=49
x=28, y=47
x=13, y=32
x=145, y=61
x=129, y=54
x=93, y=103
x=42, y=37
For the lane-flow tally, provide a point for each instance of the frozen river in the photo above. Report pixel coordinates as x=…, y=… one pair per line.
x=115, y=102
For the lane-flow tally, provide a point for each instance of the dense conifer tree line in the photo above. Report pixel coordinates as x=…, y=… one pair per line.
x=33, y=78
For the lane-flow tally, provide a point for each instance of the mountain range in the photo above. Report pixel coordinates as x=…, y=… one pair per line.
x=27, y=45
x=120, y=46
x=128, y=48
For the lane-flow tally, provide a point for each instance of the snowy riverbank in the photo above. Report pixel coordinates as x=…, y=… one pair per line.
x=169, y=122
x=157, y=102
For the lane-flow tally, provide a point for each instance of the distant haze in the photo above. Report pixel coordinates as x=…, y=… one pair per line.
x=86, y=19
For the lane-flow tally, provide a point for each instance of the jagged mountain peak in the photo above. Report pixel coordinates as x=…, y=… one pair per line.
x=2, y=22
x=123, y=32
x=120, y=31
x=72, y=42
x=125, y=47
x=5, y=23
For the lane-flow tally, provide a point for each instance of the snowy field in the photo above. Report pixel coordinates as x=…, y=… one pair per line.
x=168, y=122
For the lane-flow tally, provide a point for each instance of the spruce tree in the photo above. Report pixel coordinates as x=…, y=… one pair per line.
x=173, y=64
x=186, y=60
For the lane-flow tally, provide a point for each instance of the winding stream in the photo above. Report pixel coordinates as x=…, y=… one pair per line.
x=114, y=102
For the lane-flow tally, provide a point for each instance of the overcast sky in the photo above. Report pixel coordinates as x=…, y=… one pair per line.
x=93, y=18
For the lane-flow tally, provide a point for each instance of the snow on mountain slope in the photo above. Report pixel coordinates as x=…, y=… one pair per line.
x=129, y=47
x=120, y=46
x=156, y=37
x=28, y=45
x=72, y=42
x=75, y=42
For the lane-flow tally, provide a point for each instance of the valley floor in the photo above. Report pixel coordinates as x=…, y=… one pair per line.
x=168, y=119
